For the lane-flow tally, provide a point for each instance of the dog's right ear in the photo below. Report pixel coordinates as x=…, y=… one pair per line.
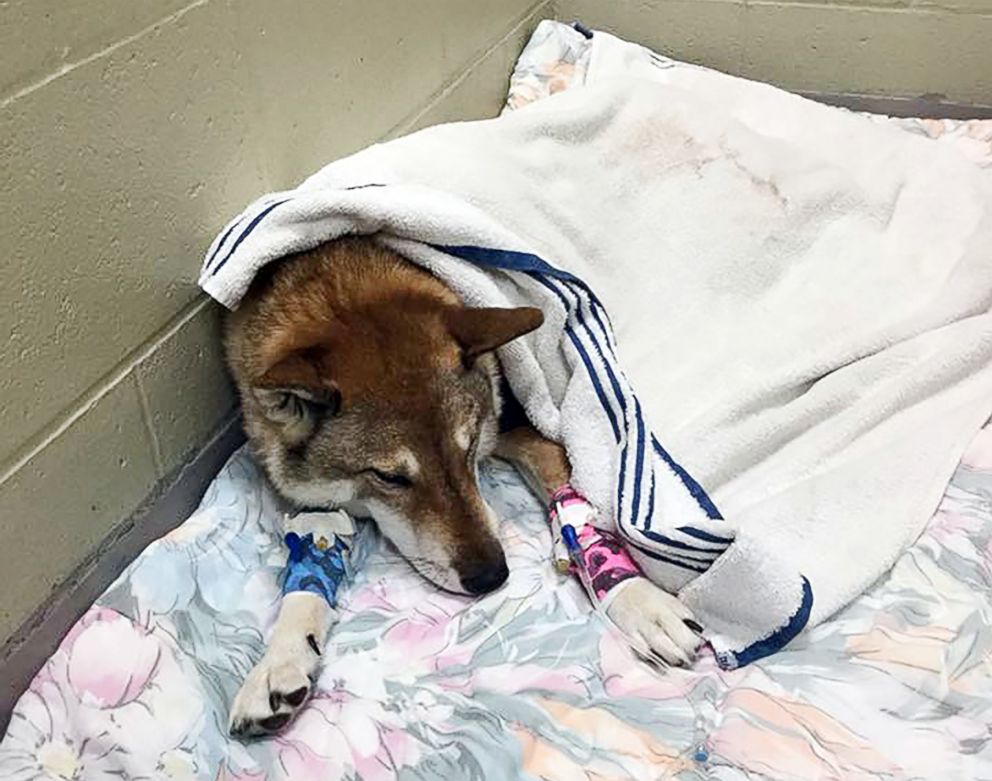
x=479, y=331
x=296, y=389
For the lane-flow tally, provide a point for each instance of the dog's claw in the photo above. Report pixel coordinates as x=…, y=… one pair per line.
x=296, y=698
x=272, y=695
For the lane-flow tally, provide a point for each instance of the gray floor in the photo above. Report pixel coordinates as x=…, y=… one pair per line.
x=928, y=106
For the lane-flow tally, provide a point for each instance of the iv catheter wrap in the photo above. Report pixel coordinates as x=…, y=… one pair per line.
x=324, y=547
x=596, y=556
x=602, y=564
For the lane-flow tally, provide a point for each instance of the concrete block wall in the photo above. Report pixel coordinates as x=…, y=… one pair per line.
x=130, y=131
x=941, y=49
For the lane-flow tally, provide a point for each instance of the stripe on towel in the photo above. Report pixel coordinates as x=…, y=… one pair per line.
x=247, y=232
x=594, y=342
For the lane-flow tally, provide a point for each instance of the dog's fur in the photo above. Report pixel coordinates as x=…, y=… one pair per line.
x=367, y=385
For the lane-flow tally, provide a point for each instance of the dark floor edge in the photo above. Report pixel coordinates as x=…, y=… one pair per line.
x=175, y=498
x=925, y=106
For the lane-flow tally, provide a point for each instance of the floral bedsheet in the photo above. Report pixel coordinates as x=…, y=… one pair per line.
x=525, y=683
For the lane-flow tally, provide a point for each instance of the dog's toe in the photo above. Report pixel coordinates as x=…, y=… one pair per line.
x=271, y=696
x=653, y=616
x=673, y=652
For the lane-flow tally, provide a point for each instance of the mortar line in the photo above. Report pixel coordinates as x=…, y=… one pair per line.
x=94, y=396
x=449, y=87
x=146, y=416
x=68, y=67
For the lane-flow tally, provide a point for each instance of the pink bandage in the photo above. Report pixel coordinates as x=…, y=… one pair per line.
x=606, y=560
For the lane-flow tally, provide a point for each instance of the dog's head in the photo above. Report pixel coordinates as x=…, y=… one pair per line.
x=382, y=398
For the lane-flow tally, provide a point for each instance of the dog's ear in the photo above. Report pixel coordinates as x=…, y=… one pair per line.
x=479, y=331
x=296, y=387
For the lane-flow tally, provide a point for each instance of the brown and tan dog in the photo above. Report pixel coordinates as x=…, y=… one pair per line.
x=366, y=385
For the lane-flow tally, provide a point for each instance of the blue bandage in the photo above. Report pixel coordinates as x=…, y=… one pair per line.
x=314, y=568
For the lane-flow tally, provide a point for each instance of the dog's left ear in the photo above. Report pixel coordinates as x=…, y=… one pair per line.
x=479, y=331
x=293, y=382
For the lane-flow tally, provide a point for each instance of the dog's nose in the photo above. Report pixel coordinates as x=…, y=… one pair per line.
x=486, y=580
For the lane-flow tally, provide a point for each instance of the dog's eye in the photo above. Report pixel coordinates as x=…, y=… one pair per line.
x=391, y=478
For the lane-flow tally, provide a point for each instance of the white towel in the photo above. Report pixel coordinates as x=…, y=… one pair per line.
x=799, y=296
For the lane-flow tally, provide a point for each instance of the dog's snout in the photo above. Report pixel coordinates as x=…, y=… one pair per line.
x=486, y=579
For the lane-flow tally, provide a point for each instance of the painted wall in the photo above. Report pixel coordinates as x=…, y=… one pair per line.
x=130, y=131
x=896, y=48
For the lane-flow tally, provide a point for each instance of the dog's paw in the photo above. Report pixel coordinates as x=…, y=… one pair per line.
x=274, y=691
x=656, y=618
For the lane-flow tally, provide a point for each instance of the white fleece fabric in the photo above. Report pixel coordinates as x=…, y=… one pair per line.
x=768, y=331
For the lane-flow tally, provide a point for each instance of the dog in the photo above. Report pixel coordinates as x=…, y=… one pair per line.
x=366, y=385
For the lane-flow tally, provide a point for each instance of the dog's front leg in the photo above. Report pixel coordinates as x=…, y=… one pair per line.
x=280, y=683
x=321, y=551
x=641, y=609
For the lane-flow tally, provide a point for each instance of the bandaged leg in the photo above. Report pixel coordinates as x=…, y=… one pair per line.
x=605, y=559
x=321, y=552
x=652, y=619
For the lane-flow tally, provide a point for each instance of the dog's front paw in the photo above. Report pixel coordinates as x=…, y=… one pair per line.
x=656, y=618
x=274, y=691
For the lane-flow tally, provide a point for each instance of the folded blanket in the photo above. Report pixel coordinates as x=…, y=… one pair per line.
x=799, y=296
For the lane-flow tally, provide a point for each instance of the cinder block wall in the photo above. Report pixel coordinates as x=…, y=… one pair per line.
x=130, y=131
x=895, y=48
